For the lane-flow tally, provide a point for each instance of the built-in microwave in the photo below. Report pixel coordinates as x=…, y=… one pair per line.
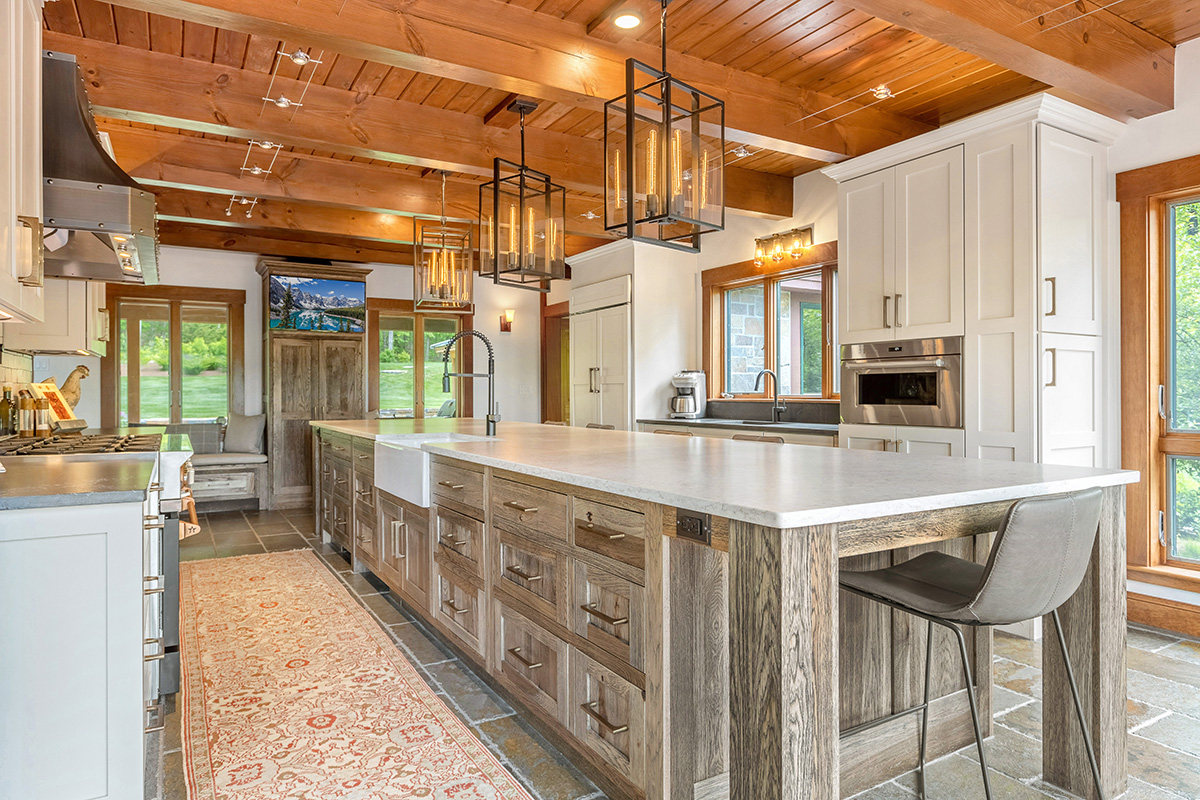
x=913, y=382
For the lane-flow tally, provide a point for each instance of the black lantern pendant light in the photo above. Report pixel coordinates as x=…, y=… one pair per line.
x=664, y=144
x=521, y=221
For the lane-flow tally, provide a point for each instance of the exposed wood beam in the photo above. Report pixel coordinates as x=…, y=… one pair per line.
x=292, y=244
x=506, y=47
x=496, y=114
x=1100, y=58
x=188, y=162
x=126, y=83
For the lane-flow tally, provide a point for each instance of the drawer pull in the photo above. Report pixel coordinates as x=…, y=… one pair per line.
x=521, y=508
x=340, y=481
x=450, y=485
x=612, y=537
x=454, y=544
x=590, y=710
x=159, y=590
x=162, y=649
x=450, y=605
x=525, y=576
x=515, y=652
x=364, y=455
x=339, y=449
x=363, y=494
x=605, y=618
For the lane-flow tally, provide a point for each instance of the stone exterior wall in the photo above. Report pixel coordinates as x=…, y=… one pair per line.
x=745, y=337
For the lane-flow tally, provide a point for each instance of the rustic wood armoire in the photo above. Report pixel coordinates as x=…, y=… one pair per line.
x=314, y=365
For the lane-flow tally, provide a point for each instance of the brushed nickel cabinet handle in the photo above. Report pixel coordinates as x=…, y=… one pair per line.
x=1053, y=351
x=450, y=605
x=340, y=481
x=364, y=493
x=162, y=649
x=364, y=455
x=454, y=544
x=525, y=576
x=521, y=508
x=398, y=528
x=886, y=298
x=1053, y=296
x=590, y=608
x=611, y=536
x=339, y=448
x=37, y=270
x=160, y=711
x=450, y=485
x=515, y=652
x=590, y=710
x=158, y=590
x=896, y=311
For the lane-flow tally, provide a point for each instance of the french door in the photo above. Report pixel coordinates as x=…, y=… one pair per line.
x=411, y=347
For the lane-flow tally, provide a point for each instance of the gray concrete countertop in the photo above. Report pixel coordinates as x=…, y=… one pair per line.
x=52, y=481
x=750, y=425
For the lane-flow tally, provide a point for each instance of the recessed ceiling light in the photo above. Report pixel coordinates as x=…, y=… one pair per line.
x=627, y=18
x=882, y=92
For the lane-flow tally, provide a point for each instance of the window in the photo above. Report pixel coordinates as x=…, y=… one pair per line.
x=784, y=321
x=1182, y=273
x=406, y=359
x=178, y=358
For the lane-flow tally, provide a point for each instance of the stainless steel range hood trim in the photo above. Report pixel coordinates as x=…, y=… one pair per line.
x=85, y=190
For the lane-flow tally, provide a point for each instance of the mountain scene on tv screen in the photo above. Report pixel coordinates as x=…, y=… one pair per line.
x=318, y=304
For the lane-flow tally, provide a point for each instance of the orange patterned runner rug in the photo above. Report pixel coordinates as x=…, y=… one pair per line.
x=292, y=691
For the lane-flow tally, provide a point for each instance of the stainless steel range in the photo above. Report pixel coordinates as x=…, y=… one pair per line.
x=160, y=540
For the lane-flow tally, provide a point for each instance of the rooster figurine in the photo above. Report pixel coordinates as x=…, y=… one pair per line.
x=71, y=390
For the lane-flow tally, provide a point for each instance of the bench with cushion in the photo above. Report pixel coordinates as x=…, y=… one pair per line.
x=230, y=467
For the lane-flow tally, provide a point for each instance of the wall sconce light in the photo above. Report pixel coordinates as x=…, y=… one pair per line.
x=506, y=320
x=779, y=246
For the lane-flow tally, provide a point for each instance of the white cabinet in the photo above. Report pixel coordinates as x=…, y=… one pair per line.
x=21, y=160
x=1071, y=418
x=904, y=439
x=76, y=320
x=900, y=263
x=600, y=358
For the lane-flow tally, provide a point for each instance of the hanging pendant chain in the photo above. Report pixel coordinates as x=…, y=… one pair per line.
x=662, y=30
x=522, y=139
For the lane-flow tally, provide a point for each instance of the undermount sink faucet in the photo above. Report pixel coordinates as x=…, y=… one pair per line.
x=492, y=416
x=777, y=407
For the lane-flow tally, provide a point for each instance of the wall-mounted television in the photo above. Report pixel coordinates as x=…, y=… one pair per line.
x=317, y=304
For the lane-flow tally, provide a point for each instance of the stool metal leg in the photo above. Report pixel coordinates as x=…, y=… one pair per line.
x=1087, y=738
x=925, y=706
x=962, y=649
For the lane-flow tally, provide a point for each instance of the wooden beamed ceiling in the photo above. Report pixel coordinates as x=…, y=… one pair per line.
x=405, y=89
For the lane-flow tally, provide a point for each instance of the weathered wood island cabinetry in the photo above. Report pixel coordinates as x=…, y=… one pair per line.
x=680, y=654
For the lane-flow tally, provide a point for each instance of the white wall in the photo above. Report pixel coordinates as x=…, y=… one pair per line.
x=59, y=367
x=1172, y=134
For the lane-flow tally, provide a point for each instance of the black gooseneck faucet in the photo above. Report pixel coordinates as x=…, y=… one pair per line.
x=492, y=416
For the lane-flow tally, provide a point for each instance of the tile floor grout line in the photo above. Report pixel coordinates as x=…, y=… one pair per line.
x=1189, y=686
x=1014, y=730
x=1149, y=722
x=1192, y=756
x=1163, y=789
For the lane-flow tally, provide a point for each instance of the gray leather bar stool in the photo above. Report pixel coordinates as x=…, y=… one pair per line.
x=1037, y=562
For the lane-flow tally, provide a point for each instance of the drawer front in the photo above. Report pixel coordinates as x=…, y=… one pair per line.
x=516, y=506
x=608, y=613
x=455, y=483
x=366, y=539
x=460, y=541
x=460, y=608
x=340, y=477
x=364, y=452
x=364, y=492
x=608, y=716
x=220, y=485
x=339, y=523
x=534, y=573
x=533, y=663
x=610, y=531
x=339, y=446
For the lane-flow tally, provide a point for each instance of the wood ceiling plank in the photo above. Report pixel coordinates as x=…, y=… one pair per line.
x=199, y=41
x=260, y=53
x=878, y=55
x=932, y=96
x=343, y=73
x=825, y=56
x=133, y=27
x=395, y=83
x=370, y=78
x=419, y=89
x=289, y=244
x=924, y=51
x=230, y=48
x=811, y=30
x=587, y=10
x=751, y=28
x=442, y=93
x=63, y=17
x=96, y=18
x=123, y=84
x=1102, y=58
x=989, y=89
x=166, y=35
x=468, y=95
x=1174, y=21
x=487, y=43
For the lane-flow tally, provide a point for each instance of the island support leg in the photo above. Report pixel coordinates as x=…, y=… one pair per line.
x=1093, y=623
x=783, y=682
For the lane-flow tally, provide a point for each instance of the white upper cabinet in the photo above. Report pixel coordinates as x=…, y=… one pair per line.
x=21, y=161
x=1071, y=172
x=76, y=320
x=900, y=262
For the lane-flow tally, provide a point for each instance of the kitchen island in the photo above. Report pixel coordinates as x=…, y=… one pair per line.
x=667, y=607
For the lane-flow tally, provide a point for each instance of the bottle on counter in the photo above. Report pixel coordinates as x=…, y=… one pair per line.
x=6, y=412
x=26, y=418
x=42, y=418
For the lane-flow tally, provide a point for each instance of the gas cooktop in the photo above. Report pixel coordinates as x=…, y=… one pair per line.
x=79, y=445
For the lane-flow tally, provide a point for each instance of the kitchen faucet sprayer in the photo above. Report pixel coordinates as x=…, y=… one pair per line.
x=492, y=416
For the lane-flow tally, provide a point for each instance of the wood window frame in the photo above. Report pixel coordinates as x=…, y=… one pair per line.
x=716, y=281
x=551, y=389
x=114, y=293
x=1145, y=195
x=388, y=307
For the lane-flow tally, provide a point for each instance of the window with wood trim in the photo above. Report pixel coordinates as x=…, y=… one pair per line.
x=1181, y=404
x=405, y=350
x=179, y=357
x=783, y=321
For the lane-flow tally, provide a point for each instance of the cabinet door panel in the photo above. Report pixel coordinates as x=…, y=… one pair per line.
x=294, y=400
x=1071, y=222
x=928, y=290
x=533, y=662
x=866, y=257
x=866, y=437
x=342, y=375
x=931, y=441
x=418, y=565
x=585, y=357
x=613, y=333
x=1071, y=400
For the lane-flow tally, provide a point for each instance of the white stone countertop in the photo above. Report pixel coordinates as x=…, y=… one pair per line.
x=385, y=428
x=782, y=486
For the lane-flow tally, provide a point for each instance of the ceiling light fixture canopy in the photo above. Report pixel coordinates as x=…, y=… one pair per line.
x=664, y=145
x=627, y=18
x=522, y=215
x=443, y=277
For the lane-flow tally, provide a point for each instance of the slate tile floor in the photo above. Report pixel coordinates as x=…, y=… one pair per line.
x=1163, y=706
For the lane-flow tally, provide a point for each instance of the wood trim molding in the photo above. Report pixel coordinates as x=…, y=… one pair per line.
x=1169, y=615
x=1166, y=575
x=1144, y=194
x=815, y=256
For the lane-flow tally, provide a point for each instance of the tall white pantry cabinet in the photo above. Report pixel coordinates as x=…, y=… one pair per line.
x=21, y=161
x=992, y=228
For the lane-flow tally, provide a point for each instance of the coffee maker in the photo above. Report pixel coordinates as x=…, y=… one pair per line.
x=691, y=393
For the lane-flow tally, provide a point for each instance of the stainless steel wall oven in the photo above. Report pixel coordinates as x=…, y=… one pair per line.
x=913, y=382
